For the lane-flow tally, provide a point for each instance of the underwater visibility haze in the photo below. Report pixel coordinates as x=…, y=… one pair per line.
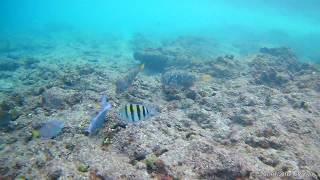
x=150, y=89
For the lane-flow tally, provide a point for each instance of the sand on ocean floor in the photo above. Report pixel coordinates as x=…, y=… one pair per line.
x=236, y=116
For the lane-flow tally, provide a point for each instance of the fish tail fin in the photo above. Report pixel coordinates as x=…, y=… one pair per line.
x=142, y=67
x=153, y=110
x=104, y=101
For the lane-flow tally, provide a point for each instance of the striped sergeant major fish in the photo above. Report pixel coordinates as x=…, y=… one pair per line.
x=98, y=121
x=136, y=112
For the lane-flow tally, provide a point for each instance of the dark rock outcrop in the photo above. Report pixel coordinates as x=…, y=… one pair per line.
x=5, y=115
x=153, y=59
x=9, y=65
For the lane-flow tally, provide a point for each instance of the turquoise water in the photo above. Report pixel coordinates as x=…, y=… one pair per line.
x=290, y=23
x=159, y=89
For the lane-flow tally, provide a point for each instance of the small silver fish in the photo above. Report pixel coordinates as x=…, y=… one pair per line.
x=97, y=122
x=136, y=112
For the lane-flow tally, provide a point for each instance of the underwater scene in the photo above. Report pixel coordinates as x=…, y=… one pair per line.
x=163, y=90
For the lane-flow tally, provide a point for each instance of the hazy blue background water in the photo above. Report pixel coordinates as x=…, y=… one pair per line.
x=294, y=23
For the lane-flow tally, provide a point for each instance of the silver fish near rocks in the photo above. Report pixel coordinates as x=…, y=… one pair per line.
x=136, y=112
x=97, y=122
x=51, y=129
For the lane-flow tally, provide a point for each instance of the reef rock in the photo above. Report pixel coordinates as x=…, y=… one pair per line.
x=9, y=65
x=158, y=59
x=154, y=59
x=278, y=58
x=275, y=67
x=9, y=111
x=224, y=67
x=30, y=63
x=273, y=78
x=178, y=79
x=280, y=52
x=57, y=98
x=5, y=115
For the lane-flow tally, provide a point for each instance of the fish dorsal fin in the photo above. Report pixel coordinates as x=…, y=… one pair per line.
x=104, y=102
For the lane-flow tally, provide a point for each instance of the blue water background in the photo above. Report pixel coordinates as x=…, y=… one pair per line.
x=293, y=23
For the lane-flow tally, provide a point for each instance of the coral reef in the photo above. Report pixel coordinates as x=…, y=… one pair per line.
x=57, y=98
x=178, y=79
x=5, y=115
x=162, y=58
x=249, y=115
x=153, y=59
x=225, y=67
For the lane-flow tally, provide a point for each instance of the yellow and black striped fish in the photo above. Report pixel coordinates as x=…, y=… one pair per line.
x=135, y=112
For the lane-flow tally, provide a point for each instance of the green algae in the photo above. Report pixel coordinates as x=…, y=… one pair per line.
x=81, y=167
x=107, y=141
x=15, y=113
x=151, y=162
x=35, y=134
x=304, y=105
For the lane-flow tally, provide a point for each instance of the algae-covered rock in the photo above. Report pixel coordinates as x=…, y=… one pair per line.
x=53, y=98
x=281, y=58
x=153, y=59
x=21, y=178
x=265, y=143
x=9, y=66
x=244, y=120
x=70, y=146
x=6, y=86
x=279, y=52
x=4, y=170
x=15, y=113
x=107, y=141
x=199, y=116
x=5, y=118
x=5, y=115
x=178, y=79
x=17, y=99
x=224, y=68
x=276, y=67
x=150, y=162
x=57, y=98
x=30, y=63
x=81, y=167
x=270, y=160
x=11, y=140
x=2, y=144
x=54, y=174
x=273, y=78
x=35, y=134
x=172, y=93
